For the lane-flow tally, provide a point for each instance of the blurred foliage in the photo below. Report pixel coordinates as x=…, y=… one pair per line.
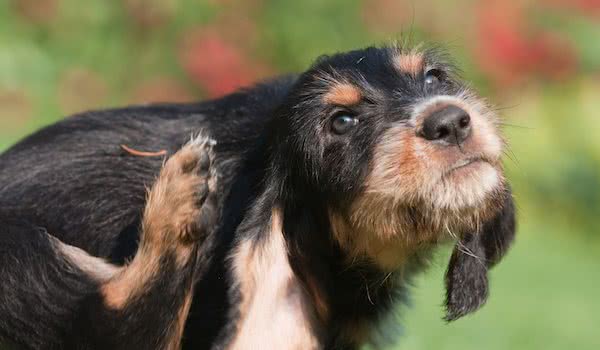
x=538, y=61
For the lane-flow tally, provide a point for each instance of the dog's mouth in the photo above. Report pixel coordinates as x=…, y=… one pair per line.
x=466, y=166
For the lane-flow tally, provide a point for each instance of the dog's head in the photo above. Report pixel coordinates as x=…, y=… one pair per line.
x=405, y=156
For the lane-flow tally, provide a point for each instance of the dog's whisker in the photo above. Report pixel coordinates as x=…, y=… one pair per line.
x=385, y=278
x=515, y=126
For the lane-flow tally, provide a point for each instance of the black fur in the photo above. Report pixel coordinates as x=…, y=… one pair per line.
x=74, y=180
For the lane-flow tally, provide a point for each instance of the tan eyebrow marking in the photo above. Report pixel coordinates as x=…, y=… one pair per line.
x=343, y=94
x=410, y=63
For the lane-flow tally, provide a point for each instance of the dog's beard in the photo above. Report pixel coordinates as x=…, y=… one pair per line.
x=449, y=208
x=389, y=230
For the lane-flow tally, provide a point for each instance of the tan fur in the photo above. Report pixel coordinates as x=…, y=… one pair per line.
x=414, y=196
x=389, y=251
x=275, y=308
x=343, y=94
x=167, y=228
x=97, y=268
x=411, y=63
x=176, y=331
x=318, y=298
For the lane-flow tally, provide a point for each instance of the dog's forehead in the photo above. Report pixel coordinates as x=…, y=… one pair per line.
x=347, y=76
x=370, y=60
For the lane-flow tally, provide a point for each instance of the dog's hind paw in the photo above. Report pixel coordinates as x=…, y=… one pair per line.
x=182, y=202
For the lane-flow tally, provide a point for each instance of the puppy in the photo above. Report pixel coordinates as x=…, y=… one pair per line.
x=297, y=226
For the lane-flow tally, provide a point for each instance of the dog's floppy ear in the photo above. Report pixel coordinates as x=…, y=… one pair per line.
x=467, y=278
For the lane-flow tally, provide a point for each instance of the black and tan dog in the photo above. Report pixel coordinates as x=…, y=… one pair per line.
x=295, y=222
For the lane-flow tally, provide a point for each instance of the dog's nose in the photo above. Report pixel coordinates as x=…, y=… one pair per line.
x=451, y=125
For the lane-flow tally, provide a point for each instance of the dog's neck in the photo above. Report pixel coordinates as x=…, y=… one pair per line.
x=350, y=293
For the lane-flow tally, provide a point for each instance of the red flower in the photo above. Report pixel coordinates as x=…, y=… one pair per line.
x=216, y=65
x=511, y=50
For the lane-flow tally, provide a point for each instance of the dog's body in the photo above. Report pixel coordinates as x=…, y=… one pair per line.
x=76, y=181
x=306, y=252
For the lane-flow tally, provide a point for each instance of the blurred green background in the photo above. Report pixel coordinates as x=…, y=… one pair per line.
x=538, y=61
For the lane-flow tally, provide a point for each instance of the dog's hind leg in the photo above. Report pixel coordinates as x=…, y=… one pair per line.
x=53, y=295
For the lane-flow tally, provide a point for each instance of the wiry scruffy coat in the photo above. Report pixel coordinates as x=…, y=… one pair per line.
x=298, y=229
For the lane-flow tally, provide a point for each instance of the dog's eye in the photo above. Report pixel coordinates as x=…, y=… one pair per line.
x=343, y=122
x=433, y=77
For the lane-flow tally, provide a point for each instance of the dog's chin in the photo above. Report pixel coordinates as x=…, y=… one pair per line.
x=466, y=185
